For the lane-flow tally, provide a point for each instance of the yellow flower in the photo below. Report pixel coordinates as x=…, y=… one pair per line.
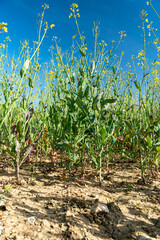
x=54, y=37
x=146, y=20
x=158, y=150
x=46, y=5
x=51, y=72
x=8, y=39
x=158, y=49
x=2, y=25
x=52, y=25
x=74, y=9
x=147, y=3
x=156, y=80
x=35, y=42
x=5, y=29
x=75, y=5
x=155, y=42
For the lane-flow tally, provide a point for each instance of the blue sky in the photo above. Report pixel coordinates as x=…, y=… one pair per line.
x=113, y=16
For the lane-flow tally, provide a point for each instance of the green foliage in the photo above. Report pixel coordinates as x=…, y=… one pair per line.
x=89, y=107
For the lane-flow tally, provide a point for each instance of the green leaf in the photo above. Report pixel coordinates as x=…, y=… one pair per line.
x=96, y=99
x=19, y=128
x=137, y=86
x=113, y=69
x=12, y=154
x=75, y=130
x=96, y=163
x=110, y=100
x=100, y=95
x=84, y=83
x=86, y=93
x=103, y=134
x=26, y=154
x=82, y=53
x=91, y=117
x=71, y=104
x=30, y=82
x=105, y=101
x=149, y=141
x=24, y=68
x=110, y=127
x=81, y=105
x=94, y=103
x=128, y=124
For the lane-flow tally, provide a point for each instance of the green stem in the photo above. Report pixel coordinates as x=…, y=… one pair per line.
x=100, y=167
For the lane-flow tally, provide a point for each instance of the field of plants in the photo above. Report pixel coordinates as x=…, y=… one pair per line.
x=91, y=120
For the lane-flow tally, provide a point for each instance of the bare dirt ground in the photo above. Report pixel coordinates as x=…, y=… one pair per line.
x=46, y=204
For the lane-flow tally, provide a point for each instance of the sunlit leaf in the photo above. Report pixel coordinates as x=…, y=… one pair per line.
x=18, y=146
x=149, y=141
x=24, y=69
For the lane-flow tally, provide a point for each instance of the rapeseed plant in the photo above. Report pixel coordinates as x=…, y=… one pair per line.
x=89, y=106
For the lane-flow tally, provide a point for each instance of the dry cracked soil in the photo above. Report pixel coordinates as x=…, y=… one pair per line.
x=45, y=204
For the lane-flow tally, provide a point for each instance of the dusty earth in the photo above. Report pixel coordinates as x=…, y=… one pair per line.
x=48, y=203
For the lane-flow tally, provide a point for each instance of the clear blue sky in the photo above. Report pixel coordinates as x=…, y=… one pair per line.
x=113, y=15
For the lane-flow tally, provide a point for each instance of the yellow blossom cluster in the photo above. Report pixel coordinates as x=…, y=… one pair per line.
x=25, y=45
x=156, y=63
x=45, y=6
x=3, y=27
x=8, y=39
x=140, y=54
x=74, y=10
x=123, y=34
x=144, y=18
x=49, y=77
x=155, y=76
x=141, y=57
x=2, y=45
x=103, y=44
x=155, y=42
x=52, y=25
